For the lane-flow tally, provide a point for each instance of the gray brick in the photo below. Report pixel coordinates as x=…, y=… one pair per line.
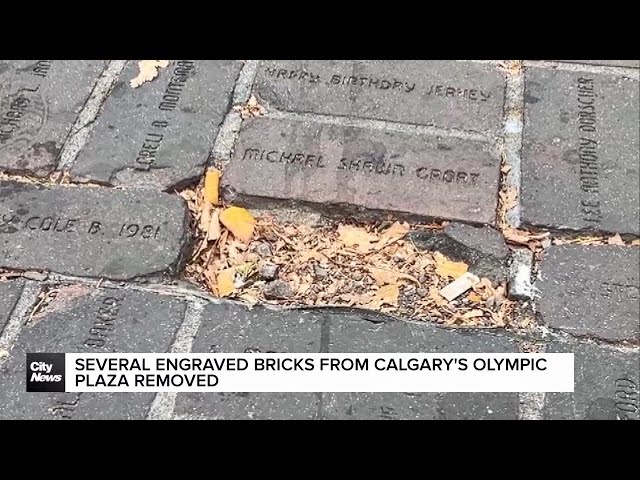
x=228, y=328
x=84, y=319
x=591, y=290
x=353, y=333
x=9, y=294
x=335, y=166
x=607, y=385
x=91, y=232
x=144, y=139
x=484, y=249
x=609, y=63
x=449, y=94
x=574, y=177
x=39, y=103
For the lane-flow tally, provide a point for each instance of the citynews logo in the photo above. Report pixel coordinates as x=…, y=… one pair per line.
x=45, y=372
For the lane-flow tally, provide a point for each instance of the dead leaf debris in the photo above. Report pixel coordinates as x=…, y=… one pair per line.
x=262, y=260
x=148, y=70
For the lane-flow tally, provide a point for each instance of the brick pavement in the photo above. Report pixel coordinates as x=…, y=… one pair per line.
x=87, y=195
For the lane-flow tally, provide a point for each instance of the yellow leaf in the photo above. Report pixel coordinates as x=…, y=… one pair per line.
x=447, y=268
x=474, y=297
x=356, y=237
x=240, y=222
x=148, y=71
x=225, y=283
x=387, y=295
x=211, y=186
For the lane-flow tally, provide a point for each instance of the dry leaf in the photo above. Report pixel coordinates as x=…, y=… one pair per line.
x=387, y=295
x=522, y=238
x=474, y=297
x=505, y=169
x=356, y=237
x=474, y=313
x=394, y=233
x=214, y=231
x=225, y=282
x=3, y=353
x=250, y=299
x=148, y=70
x=384, y=277
x=211, y=186
x=636, y=241
x=240, y=222
x=615, y=240
x=447, y=268
x=205, y=217
x=250, y=109
x=434, y=295
x=508, y=197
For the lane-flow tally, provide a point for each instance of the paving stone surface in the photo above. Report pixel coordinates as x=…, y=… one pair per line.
x=84, y=319
x=483, y=249
x=91, y=231
x=330, y=165
x=607, y=385
x=591, y=290
x=39, y=103
x=450, y=94
x=229, y=328
x=581, y=149
x=9, y=294
x=159, y=135
x=610, y=63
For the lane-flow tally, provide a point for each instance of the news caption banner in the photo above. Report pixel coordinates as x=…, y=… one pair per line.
x=91, y=232
x=329, y=166
x=158, y=135
x=299, y=372
x=581, y=151
x=39, y=103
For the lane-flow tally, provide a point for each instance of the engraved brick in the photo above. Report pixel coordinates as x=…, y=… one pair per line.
x=450, y=94
x=84, y=319
x=607, y=385
x=39, y=103
x=581, y=151
x=330, y=165
x=230, y=328
x=591, y=290
x=608, y=63
x=159, y=135
x=91, y=232
x=9, y=294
